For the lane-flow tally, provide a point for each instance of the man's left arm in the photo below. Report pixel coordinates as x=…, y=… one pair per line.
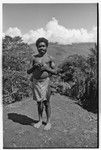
x=51, y=68
x=52, y=63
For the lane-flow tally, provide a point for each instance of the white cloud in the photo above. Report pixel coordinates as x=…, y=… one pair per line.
x=13, y=32
x=32, y=36
x=56, y=33
x=3, y=35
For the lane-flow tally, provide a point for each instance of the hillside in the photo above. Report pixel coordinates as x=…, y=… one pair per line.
x=72, y=126
x=59, y=52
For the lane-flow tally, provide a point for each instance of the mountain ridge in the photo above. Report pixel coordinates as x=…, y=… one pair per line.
x=60, y=52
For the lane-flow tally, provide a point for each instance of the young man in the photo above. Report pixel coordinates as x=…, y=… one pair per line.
x=43, y=67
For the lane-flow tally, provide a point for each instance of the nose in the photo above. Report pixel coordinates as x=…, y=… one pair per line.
x=40, y=46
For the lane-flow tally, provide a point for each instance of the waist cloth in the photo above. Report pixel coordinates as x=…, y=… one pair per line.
x=40, y=89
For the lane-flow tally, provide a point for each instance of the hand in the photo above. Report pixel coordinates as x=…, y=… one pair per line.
x=59, y=70
x=49, y=70
x=44, y=68
x=38, y=64
x=54, y=72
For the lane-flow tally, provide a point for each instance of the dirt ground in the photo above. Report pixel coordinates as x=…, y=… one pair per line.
x=72, y=126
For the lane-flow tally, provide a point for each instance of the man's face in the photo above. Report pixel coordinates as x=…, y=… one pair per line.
x=42, y=48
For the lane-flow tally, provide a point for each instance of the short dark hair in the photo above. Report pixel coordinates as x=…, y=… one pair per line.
x=42, y=39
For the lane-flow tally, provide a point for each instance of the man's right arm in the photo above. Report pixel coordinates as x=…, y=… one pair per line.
x=29, y=71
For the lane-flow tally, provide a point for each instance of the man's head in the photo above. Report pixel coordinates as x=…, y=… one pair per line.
x=42, y=45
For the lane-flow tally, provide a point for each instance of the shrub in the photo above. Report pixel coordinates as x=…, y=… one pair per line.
x=83, y=73
x=16, y=86
x=15, y=59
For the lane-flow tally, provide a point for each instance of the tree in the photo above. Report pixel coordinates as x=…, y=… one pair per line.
x=15, y=58
x=7, y=41
x=84, y=74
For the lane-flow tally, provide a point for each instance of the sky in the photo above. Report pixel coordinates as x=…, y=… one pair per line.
x=61, y=23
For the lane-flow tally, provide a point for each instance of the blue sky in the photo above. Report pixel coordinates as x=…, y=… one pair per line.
x=34, y=20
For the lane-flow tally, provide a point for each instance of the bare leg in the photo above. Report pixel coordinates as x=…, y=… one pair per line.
x=48, y=114
x=40, y=111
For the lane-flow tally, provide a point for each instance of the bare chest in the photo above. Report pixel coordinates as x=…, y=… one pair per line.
x=43, y=60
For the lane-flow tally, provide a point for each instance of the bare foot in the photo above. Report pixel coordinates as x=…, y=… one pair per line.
x=37, y=125
x=48, y=126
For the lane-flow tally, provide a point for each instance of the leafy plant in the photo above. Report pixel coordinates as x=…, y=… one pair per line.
x=82, y=73
x=16, y=58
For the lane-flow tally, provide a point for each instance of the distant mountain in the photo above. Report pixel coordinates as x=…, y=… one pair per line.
x=59, y=52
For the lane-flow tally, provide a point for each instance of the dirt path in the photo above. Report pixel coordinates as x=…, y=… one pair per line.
x=72, y=126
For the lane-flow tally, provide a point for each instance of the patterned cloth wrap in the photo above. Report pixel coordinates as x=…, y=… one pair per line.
x=40, y=89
